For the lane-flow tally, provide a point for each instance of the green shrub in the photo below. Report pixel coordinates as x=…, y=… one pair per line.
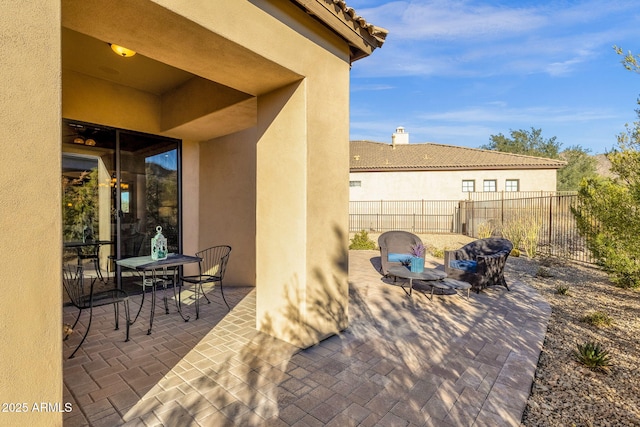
x=361, y=241
x=593, y=356
x=562, y=290
x=598, y=319
x=608, y=215
x=437, y=252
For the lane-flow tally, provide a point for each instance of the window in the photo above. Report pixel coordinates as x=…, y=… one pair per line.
x=512, y=185
x=468, y=185
x=489, y=185
x=355, y=183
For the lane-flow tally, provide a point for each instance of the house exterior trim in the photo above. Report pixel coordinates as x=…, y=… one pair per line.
x=363, y=37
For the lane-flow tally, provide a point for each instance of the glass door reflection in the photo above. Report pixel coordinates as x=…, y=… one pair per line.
x=118, y=186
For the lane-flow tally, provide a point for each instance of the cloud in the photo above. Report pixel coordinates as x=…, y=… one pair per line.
x=531, y=116
x=471, y=38
x=371, y=87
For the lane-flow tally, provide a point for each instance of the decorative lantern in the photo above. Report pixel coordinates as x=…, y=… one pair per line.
x=158, y=245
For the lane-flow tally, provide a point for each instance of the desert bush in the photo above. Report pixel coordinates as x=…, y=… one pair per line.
x=513, y=229
x=361, y=241
x=608, y=213
x=598, y=319
x=485, y=230
x=562, y=290
x=532, y=228
x=544, y=272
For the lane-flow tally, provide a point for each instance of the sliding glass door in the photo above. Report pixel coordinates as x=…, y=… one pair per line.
x=118, y=186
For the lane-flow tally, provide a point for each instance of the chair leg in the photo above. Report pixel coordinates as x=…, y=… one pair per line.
x=85, y=333
x=204, y=294
x=127, y=318
x=225, y=300
x=198, y=287
x=74, y=323
x=96, y=264
x=117, y=313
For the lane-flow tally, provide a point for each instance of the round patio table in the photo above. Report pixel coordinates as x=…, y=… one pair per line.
x=432, y=276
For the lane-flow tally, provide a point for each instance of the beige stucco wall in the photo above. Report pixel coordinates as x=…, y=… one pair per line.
x=272, y=184
x=30, y=214
x=442, y=185
x=227, y=202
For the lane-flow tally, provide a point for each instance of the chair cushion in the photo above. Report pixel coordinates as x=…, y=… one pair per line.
x=398, y=257
x=467, y=265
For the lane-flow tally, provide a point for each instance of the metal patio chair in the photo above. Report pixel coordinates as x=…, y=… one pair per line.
x=76, y=286
x=211, y=270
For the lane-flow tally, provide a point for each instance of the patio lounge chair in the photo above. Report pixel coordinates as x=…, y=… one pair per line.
x=395, y=247
x=480, y=263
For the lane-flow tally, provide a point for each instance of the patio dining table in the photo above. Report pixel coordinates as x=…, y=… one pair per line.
x=79, y=245
x=150, y=277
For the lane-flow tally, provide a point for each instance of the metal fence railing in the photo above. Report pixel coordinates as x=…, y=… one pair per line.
x=550, y=211
x=551, y=215
x=417, y=216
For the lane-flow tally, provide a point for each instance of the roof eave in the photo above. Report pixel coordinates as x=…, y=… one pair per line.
x=454, y=168
x=363, y=38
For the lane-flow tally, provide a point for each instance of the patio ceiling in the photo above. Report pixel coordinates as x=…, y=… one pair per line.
x=207, y=85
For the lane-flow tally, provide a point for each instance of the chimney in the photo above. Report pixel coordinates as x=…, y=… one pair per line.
x=399, y=137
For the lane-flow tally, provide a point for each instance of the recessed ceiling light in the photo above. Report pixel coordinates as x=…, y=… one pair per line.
x=122, y=51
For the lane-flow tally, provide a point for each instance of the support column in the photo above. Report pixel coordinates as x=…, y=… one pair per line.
x=301, y=215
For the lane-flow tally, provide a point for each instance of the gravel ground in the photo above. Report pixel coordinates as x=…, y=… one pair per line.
x=564, y=392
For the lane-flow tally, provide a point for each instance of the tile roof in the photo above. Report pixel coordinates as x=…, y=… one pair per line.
x=362, y=36
x=377, y=156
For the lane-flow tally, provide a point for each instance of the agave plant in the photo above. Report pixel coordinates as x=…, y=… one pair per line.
x=593, y=356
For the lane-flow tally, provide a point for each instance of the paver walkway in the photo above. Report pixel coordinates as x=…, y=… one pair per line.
x=402, y=361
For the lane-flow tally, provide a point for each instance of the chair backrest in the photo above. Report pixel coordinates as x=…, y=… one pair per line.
x=73, y=281
x=214, y=260
x=398, y=241
x=487, y=246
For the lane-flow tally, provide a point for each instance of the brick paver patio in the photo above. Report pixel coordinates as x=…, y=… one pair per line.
x=402, y=361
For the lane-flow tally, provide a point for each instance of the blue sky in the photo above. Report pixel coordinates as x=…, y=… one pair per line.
x=458, y=71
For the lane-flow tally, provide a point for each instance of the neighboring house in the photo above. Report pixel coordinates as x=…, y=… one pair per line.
x=241, y=105
x=428, y=171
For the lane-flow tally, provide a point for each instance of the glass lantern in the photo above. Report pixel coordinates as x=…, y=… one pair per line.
x=158, y=245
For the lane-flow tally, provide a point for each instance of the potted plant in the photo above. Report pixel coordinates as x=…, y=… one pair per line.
x=417, y=258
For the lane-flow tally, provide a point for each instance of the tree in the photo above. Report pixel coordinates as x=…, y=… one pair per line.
x=608, y=212
x=531, y=143
x=630, y=62
x=580, y=165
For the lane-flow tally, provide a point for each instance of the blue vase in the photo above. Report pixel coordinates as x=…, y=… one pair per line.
x=417, y=264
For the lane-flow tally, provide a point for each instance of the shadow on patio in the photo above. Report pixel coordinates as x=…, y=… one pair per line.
x=402, y=360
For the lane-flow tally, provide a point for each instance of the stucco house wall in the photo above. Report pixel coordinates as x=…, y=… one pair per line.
x=442, y=185
x=265, y=112
x=430, y=171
